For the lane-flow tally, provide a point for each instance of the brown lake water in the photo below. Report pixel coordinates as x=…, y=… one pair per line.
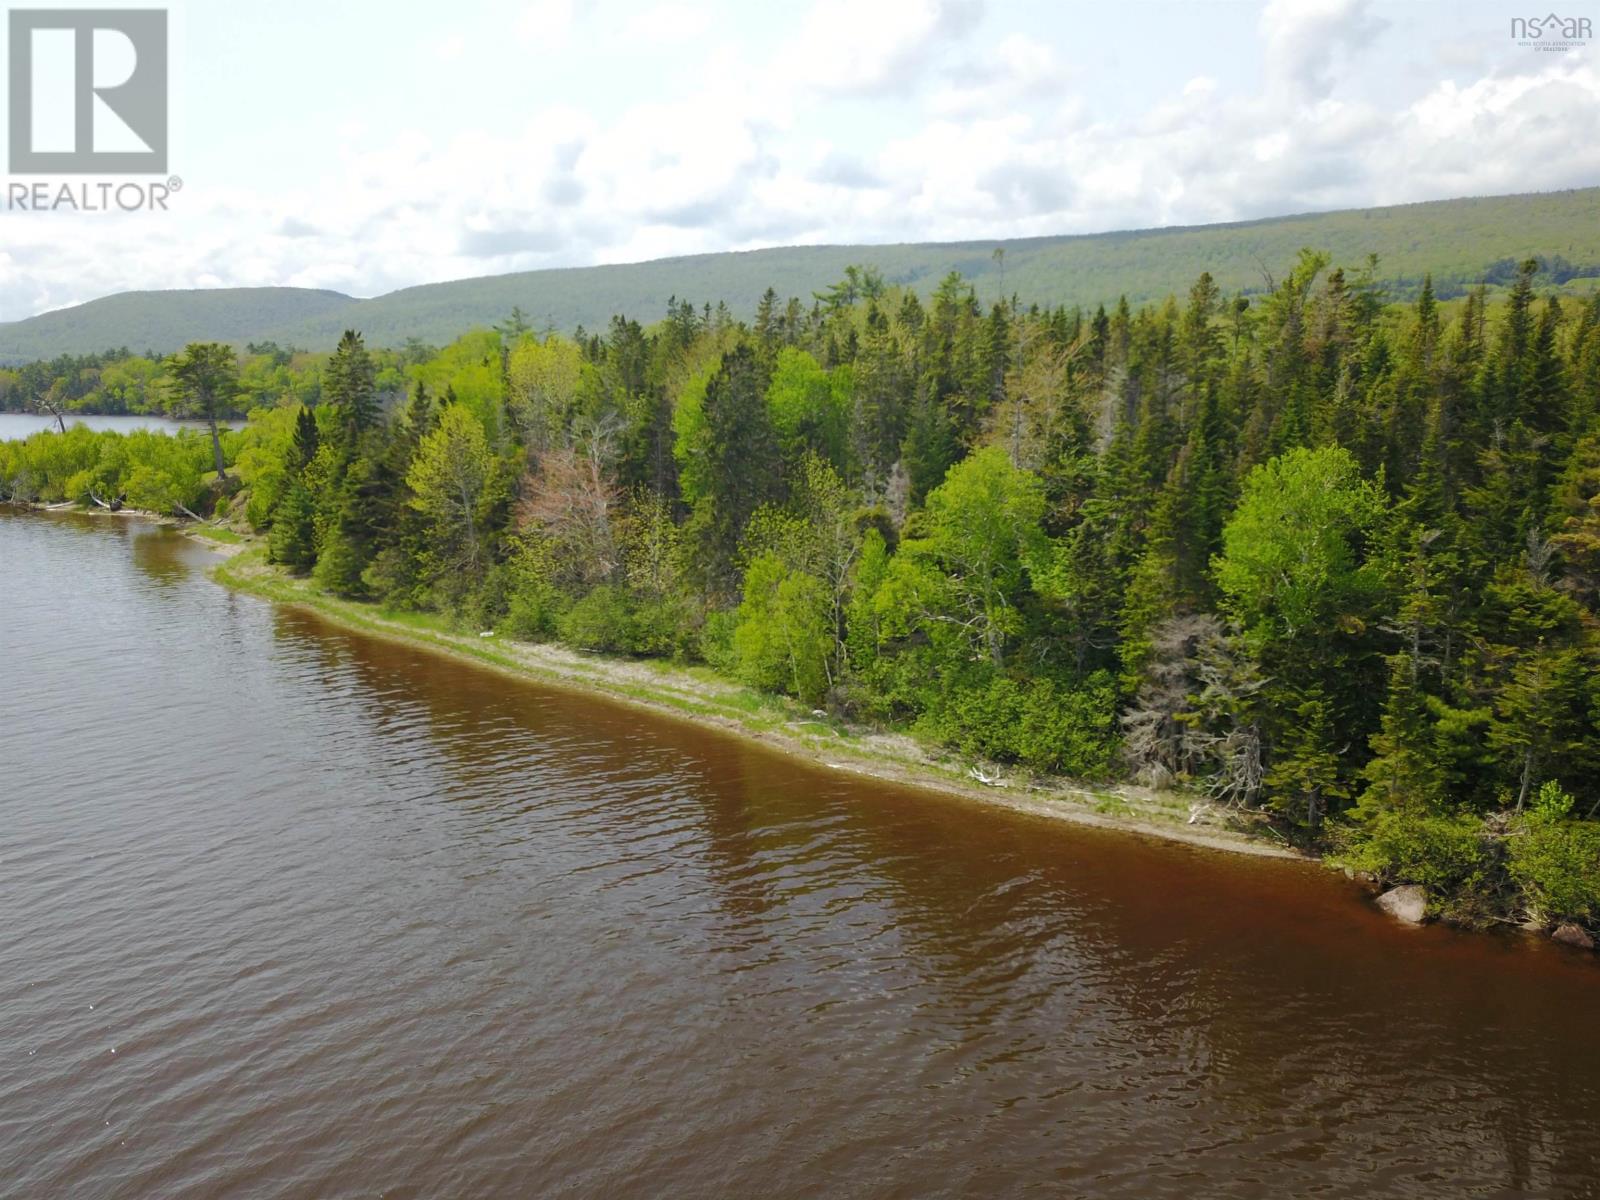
x=286, y=911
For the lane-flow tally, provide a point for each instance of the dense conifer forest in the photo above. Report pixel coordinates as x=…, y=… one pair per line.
x=1311, y=553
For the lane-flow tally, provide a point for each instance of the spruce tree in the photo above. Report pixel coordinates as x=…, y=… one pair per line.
x=349, y=383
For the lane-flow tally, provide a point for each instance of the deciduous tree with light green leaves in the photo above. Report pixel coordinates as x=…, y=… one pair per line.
x=1295, y=553
x=448, y=479
x=782, y=641
x=962, y=579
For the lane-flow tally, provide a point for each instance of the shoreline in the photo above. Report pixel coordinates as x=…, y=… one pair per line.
x=696, y=695
x=699, y=696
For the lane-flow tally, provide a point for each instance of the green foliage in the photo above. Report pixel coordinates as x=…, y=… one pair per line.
x=1045, y=725
x=690, y=444
x=809, y=408
x=613, y=619
x=1308, y=553
x=1552, y=802
x=206, y=378
x=864, y=633
x=782, y=640
x=467, y=372
x=535, y=602
x=716, y=640
x=1304, y=779
x=1293, y=552
x=1444, y=852
x=1555, y=861
x=449, y=480
x=267, y=458
x=962, y=579
x=1539, y=720
x=350, y=386
x=169, y=491
x=292, y=540
x=601, y=620
x=546, y=382
x=1405, y=768
x=155, y=471
x=663, y=626
x=340, y=563
x=736, y=461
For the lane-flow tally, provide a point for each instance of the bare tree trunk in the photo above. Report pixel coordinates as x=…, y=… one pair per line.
x=49, y=407
x=216, y=448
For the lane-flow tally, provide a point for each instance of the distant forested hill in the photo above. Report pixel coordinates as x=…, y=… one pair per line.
x=1460, y=242
x=165, y=321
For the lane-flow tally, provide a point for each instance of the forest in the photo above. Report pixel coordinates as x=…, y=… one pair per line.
x=1314, y=555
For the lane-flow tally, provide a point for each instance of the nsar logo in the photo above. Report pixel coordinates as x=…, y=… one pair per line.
x=1551, y=32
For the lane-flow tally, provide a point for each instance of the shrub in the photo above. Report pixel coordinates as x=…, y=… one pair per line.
x=1068, y=730
x=599, y=621
x=267, y=492
x=1041, y=723
x=534, y=603
x=1555, y=861
x=665, y=626
x=487, y=605
x=339, y=566
x=1412, y=845
x=716, y=640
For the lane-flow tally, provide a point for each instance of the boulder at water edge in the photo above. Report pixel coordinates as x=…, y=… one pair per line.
x=1408, y=903
x=1573, y=935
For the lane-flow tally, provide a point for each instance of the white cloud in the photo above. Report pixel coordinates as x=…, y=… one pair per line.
x=545, y=22
x=667, y=24
x=1307, y=39
x=1017, y=71
x=922, y=132
x=850, y=47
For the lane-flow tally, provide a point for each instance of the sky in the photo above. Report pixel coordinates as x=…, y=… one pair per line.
x=366, y=147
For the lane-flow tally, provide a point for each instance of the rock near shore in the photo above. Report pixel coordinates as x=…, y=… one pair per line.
x=1408, y=903
x=1569, y=934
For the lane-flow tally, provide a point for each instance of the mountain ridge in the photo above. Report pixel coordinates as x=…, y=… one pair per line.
x=1459, y=241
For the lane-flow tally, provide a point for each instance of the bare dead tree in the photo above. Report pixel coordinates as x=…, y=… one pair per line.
x=1540, y=554
x=571, y=500
x=1157, y=741
x=50, y=405
x=1195, y=713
